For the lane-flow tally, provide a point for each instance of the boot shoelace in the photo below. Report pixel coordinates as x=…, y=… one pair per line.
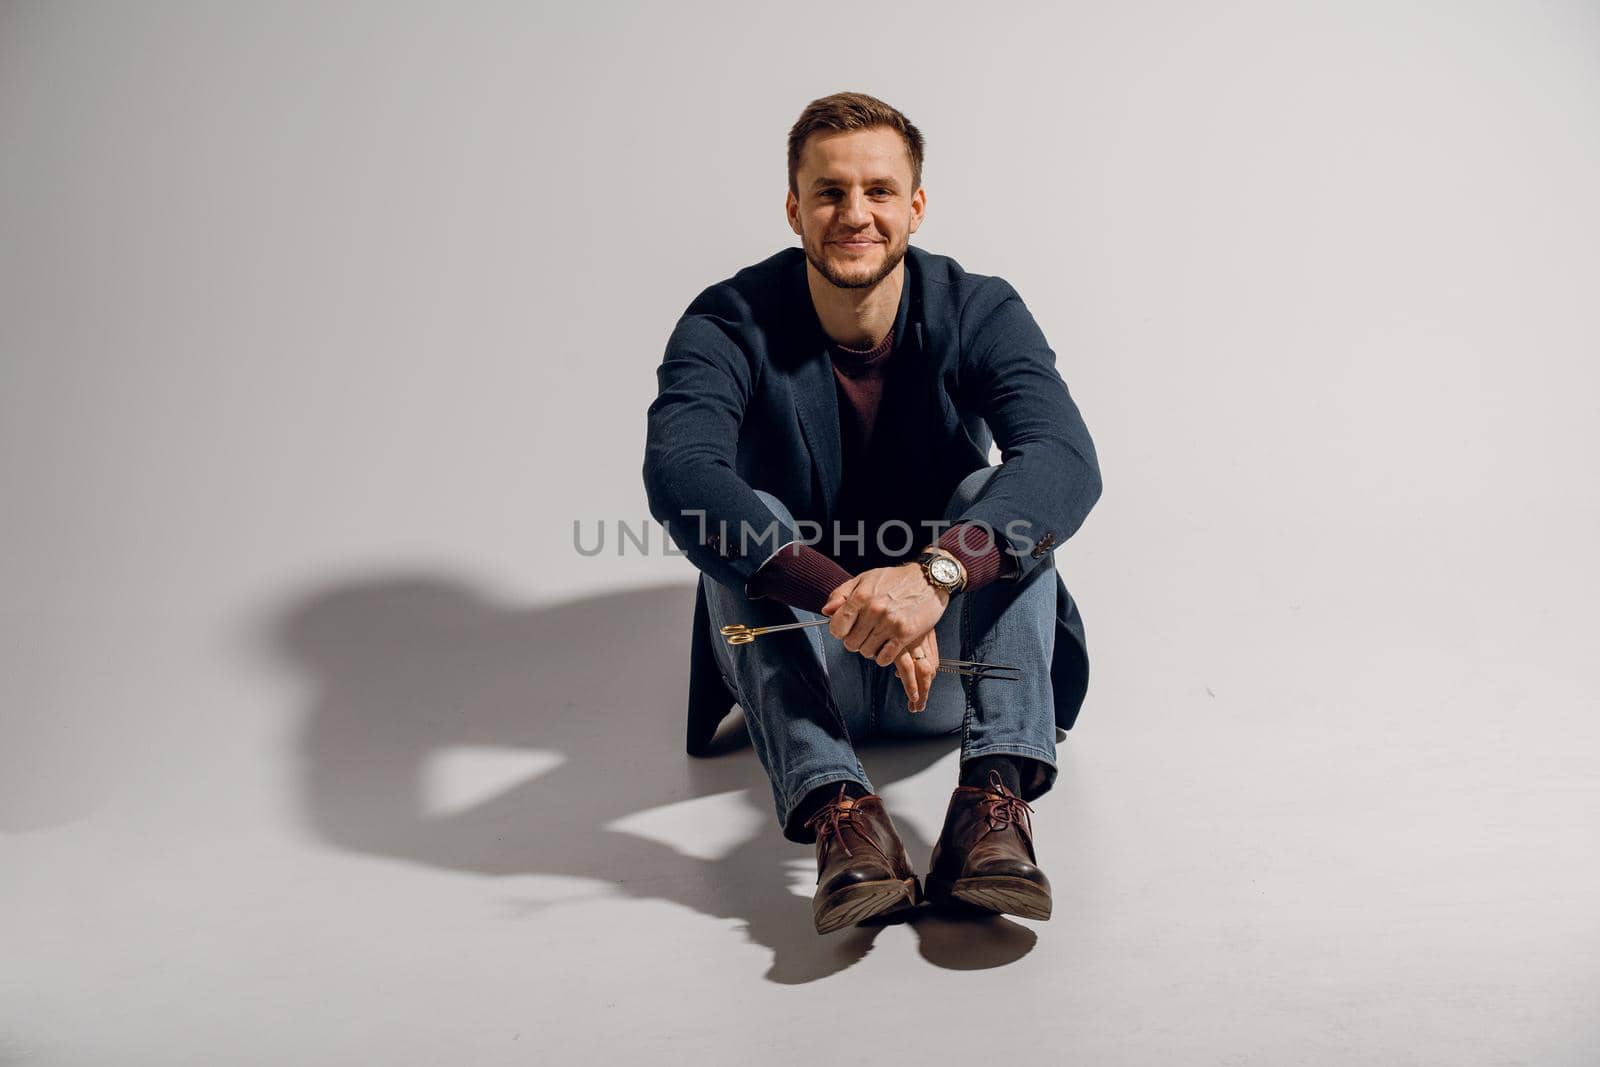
x=837, y=815
x=1008, y=809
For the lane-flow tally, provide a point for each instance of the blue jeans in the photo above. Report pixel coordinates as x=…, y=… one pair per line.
x=807, y=699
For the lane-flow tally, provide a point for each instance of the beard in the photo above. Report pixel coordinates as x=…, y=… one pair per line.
x=856, y=280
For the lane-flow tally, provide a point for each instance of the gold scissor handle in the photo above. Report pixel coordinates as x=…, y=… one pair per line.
x=740, y=634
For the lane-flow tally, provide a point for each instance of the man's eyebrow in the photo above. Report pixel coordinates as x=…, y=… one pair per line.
x=820, y=182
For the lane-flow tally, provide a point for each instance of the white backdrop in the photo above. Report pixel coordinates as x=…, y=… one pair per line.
x=309, y=310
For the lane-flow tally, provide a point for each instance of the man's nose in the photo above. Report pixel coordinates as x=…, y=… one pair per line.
x=855, y=211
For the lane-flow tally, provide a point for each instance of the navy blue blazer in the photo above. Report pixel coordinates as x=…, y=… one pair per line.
x=746, y=401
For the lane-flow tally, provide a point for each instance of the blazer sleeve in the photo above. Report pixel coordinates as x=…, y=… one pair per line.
x=1049, y=475
x=705, y=382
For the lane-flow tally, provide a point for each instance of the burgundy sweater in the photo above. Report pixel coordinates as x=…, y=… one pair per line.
x=801, y=576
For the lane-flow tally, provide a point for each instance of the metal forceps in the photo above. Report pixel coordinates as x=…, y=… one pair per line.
x=740, y=634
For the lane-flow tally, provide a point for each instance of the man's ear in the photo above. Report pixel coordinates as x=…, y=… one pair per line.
x=919, y=206
x=791, y=208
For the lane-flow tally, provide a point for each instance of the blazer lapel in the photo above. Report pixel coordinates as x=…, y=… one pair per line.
x=816, y=402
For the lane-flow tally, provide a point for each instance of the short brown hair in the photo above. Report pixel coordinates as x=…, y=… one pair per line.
x=852, y=111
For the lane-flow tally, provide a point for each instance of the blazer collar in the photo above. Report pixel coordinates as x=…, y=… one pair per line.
x=815, y=396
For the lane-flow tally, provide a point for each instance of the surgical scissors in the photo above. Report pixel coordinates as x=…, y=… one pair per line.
x=740, y=634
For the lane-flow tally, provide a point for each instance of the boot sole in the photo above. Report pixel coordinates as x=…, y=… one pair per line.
x=1002, y=893
x=855, y=903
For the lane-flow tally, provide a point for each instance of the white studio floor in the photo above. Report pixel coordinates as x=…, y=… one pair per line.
x=468, y=835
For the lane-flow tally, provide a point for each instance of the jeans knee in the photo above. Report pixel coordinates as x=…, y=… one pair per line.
x=773, y=538
x=967, y=492
x=779, y=510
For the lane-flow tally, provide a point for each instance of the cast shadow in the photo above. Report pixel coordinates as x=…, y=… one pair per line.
x=404, y=666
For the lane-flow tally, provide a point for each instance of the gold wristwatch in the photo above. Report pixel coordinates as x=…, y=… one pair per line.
x=942, y=570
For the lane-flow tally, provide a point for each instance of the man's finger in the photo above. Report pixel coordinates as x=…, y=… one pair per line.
x=891, y=650
x=838, y=596
x=896, y=645
x=906, y=669
x=926, y=655
x=880, y=636
x=843, y=619
x=871, y=644
x=858, y=628
x=928, y=648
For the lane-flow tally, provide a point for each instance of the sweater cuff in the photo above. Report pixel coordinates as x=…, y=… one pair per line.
x=974, y=546
x=799, y=576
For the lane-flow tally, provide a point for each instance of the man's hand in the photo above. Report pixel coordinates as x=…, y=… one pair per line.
x=883, y=612
x=888, y=615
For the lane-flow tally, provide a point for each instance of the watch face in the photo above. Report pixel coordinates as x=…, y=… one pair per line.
x=944, y=571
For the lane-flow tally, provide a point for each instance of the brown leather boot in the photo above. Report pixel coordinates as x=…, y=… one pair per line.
x=985, y=855
x=862, y=867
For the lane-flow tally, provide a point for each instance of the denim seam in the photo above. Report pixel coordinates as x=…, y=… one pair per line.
x=875, y=693
x=967, y=681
